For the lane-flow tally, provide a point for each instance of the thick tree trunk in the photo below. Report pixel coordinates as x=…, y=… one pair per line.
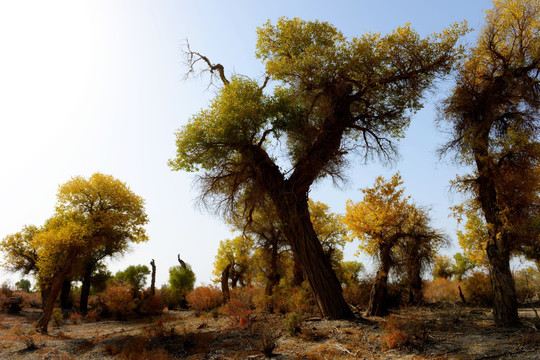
x=304, y=242
x=225, y=283
x=85, y=288
x=499, y=245
x=505, y=305
x=65, y=301
x=415, y=285
x=298, y=273
x=153, y=283
x=378, y=299
x=273, y=276
x=48, y=307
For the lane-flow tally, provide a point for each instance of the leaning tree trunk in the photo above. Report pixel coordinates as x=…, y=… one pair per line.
x=85, y=288
x=298, y=273
x=225, y=283
x=153, y=283
x=304, y=243
x=378, y=298
x=48, y=307
x=505, y=305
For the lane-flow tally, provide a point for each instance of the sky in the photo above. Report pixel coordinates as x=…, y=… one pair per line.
x=98, y=86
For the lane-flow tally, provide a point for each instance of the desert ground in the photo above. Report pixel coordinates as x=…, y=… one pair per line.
x=434, y=332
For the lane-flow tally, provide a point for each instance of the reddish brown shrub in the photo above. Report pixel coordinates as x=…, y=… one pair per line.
x=405, y=331
x=151, y=304
x=118, y=300
x=239, y=313
x=441, y=290
x=477, y=289
x=205, y=298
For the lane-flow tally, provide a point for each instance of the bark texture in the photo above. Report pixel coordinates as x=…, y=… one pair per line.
x=48, y=307
x=304, y=242
x=225, y=283
x=378, y=303
x=85, y=288
x=153, y=283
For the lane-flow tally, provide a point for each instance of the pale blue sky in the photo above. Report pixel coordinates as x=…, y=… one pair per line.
x=89, y=86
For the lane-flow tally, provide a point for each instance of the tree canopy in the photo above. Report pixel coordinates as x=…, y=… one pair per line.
x=331, y=96
x=99, y=215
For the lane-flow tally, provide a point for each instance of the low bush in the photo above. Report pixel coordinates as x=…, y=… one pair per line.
x=118, y=301
x=205, y=298
x=477, y=289
x=358, y=294
x=239, y=311
x=150, y=304
x=441, y=291
x=402, y=332
x=293, y=323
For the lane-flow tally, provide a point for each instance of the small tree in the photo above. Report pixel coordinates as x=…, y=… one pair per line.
x=24, y=285
x=181, y=281
x=442, y=267
x=396, y=233
x=134, y=276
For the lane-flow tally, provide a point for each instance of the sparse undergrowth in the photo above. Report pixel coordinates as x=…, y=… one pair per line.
x=413, y=333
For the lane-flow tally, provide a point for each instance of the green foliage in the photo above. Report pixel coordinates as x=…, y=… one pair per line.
x=349, y=272
x=24, y=285
x=442, y=267
x=462, y=266
x=181, y=280
x=134, y=276
x=293, y=323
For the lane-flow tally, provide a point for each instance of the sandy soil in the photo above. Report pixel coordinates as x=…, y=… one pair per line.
x=422, y=333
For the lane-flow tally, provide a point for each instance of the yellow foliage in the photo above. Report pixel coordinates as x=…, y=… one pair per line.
x=382, y=214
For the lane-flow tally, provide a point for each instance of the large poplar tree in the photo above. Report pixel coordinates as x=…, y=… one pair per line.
x=493, y=114
x=331, y=97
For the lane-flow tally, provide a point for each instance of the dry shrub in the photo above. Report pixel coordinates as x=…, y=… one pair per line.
x=240, y=314
x=357, y=294
x=92, y=316
x=441, y=291
x=402, y=332
x=293, y=323
x=205, y=298
x=477, y=289
x=29, y=299
x=75, y=318
x=151, y=304
x=6, y=290
x=119, y=301
x=264, y=339
x=286, y=299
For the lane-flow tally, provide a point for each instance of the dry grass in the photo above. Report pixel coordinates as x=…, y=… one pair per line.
x=427, y=333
